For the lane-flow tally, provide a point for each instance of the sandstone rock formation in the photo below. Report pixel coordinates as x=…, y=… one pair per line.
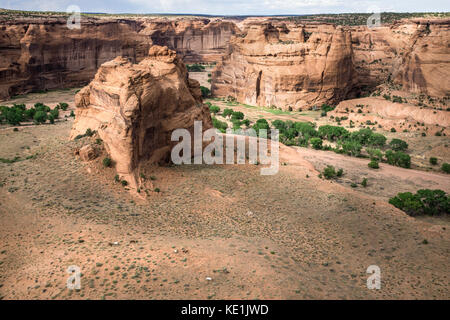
x=284, y=66
x=411, y=53
x=135, y=107
x=289, y=64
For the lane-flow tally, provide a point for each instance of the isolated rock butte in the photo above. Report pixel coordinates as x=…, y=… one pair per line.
x=285, y=66
x=135, y=108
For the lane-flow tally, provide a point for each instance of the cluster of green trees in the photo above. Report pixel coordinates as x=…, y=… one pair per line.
x=237, y=118
x=40, y=113
x=350, y=143
x=206, y=93
x=424, y=202
x=195, y=67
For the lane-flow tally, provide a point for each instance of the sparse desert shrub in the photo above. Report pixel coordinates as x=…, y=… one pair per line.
x=364, y=182
x=393, y=130
x=107, y=162
x=329, y=172
x=446, y=167
x=433, y=161
x=124, y=183
x=89, y=132
x=116, y=178
x=157, y=190
x=373, y=164
x=340, y=172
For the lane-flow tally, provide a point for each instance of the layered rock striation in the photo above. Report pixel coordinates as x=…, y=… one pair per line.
x=286, y=66
x=43, y=53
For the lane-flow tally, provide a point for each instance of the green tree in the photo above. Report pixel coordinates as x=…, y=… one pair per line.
x=398, y=145
x=316, y=143
x=40, y=116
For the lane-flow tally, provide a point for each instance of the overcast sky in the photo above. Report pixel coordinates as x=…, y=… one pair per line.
x=231, y=7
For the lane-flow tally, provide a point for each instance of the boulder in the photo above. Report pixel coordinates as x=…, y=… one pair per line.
x=87, y=153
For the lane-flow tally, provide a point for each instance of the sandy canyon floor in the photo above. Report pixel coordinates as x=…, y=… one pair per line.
x=213, y=232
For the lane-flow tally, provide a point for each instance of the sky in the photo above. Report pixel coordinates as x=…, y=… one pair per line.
x=231, y=7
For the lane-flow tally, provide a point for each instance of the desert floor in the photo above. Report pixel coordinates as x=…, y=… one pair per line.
x=213, y=232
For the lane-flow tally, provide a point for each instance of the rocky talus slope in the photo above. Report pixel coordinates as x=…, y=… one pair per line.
x=135, y=108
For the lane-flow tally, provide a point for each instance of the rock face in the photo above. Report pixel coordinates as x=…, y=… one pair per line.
x=135, y=107
x=286, y=66
x=426, y=64
x=291, y=65
x=36, y=55
x=196, y=40
x=43, y=53
x=411, y=53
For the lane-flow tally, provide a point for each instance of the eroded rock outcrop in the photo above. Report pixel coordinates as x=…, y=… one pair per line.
x=135, y=108
x=286, y=66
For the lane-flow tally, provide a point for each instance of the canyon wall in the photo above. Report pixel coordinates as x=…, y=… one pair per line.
x=40, y=54
x=414, y=54
x=264, y=61
x=199, y=40
x=286, y=66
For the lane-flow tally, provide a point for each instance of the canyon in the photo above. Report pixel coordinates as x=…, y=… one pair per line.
x=43, y=53
x=86, y=178
x=261, y=61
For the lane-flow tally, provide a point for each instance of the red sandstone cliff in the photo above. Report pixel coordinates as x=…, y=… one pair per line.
x=39, y=54
x=286, y=66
